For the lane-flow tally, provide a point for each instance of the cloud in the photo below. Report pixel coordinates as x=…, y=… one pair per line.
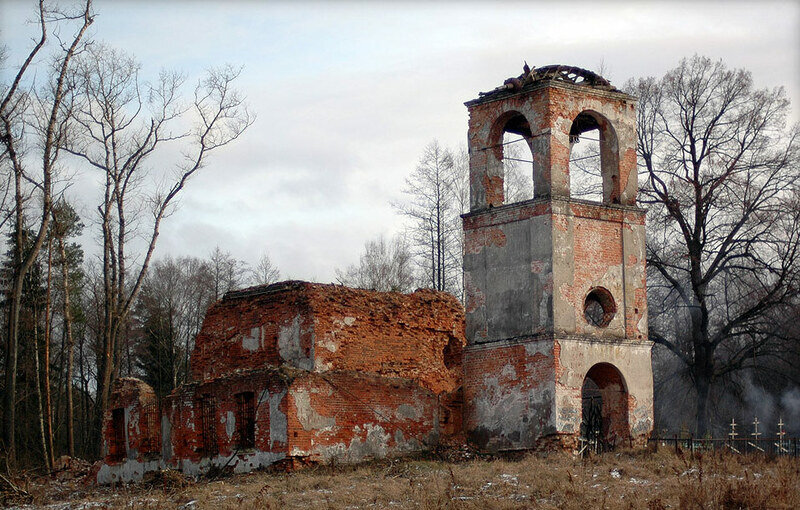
x=348, y=94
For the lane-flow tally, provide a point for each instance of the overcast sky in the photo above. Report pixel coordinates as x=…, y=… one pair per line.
x=348, y=94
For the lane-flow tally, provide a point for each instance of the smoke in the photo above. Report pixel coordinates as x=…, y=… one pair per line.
x=748, y=400
x=743, y=398
x=790, y=404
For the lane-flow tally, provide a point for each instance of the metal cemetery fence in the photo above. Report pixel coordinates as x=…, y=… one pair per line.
x=762, y=445
x=736, y=442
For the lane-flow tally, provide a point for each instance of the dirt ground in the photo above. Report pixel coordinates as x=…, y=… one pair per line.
x=628, y=479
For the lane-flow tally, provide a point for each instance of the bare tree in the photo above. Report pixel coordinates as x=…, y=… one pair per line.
x=118, y=124
x=265, y=271
x=16, y=109
x=384, y=266
x=224, y=273
x=430, y=207
x=720, y=179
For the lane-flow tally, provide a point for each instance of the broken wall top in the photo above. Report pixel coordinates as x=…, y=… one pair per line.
x=556, y=74
x=130, y=390
x=319, y=327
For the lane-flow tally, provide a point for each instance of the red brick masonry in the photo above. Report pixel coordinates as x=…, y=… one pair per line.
x=297, y=372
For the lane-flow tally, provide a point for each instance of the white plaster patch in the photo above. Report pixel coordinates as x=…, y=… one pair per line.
x=508, y=371
x=289, y=346
x=642, y=324
x=128, y=471
x=308, y=417
x=230, y=424
x=533, y=348
x=252, y=342
x=278, y=424
x=242, y=463
x=349, y=321
x=329, y=343
x=374, y=445
x=166, y=437
x=408, y=412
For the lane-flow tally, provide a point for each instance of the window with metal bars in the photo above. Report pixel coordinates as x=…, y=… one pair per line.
x=151, y=438
x=208, y=429
x=245, y=420
x=116, y=443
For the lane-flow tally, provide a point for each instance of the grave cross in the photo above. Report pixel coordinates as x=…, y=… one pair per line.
x=755, y=433
x=733, y=432
x=781, y=432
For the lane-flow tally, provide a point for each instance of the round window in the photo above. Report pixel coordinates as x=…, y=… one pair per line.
x=599, y=307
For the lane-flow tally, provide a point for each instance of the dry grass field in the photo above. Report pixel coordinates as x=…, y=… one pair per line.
x=627, y=479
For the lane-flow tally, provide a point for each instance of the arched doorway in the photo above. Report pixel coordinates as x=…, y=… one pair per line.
x=604, y=410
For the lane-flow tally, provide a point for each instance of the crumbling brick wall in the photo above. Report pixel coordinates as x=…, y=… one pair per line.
x=131, y=431
x=351, y=416
x=302, y=372
x=417, y=336
x=509, y=396
x=202, y=422
x=322, y=328
x=254, y=330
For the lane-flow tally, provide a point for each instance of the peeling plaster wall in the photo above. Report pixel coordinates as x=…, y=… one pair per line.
x=508, y=272
x=509, y=394
x=141, y=430
x=181, y=429
x=529, y=266
x=338, y=373
x=243, y=332
x=590, y=243
x=269, y=386
x=350, y=416
x=323, y=328
x=578, y=355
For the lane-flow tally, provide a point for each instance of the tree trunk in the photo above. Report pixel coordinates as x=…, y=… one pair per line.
x=48, y=406
x=70, y=346
x=39, y=398
x=703, y=387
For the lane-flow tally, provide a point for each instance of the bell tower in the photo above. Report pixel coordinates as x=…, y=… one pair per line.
x=556, y=308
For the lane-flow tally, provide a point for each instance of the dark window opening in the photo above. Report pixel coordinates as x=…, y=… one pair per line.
x=245, y=420
x=452, y=353
x=116, y=445
x=208, y=414
x=599, y=307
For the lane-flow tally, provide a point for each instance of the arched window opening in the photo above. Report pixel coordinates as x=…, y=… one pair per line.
x=604, y=407
x=585, y=180
x=517, y=168
x=516, y=157
x=593, y=161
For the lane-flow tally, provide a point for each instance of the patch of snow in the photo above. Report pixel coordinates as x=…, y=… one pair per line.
x=511, y=479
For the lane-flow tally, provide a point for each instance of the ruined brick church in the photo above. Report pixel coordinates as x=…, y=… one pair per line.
x=551, y=345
